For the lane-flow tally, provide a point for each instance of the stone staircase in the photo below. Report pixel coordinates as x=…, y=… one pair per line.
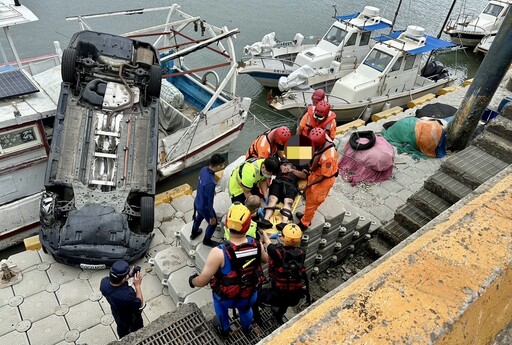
x=460, y=174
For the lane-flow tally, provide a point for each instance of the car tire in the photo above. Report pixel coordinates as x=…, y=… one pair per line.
x=147, y=214
x=155, y=82
x=68, y=71
x=356, y=146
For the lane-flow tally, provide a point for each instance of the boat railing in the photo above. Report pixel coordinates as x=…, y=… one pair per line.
x=271, y=62
x=462, y=20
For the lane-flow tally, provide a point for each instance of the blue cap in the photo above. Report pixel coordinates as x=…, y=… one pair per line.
x=119, y=270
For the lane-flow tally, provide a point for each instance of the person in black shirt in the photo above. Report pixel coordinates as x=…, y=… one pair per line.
x=125, y=302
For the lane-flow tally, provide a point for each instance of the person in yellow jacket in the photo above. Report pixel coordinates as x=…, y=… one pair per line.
x=250, y=178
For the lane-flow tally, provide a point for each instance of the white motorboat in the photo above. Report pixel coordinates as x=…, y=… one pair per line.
x=391, y=75
x=337, y=53
x=28, y=100
x=468, y=30
x=484, y=45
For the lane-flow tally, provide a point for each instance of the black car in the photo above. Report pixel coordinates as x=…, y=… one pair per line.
x=98, y=204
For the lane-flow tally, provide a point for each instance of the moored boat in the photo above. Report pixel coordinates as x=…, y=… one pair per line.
x=468, y=30
x=391, y=74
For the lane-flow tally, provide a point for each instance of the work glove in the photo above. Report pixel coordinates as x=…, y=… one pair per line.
x=190, y=280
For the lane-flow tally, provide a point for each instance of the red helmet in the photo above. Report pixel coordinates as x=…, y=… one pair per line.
x=282, y=134
x=317, y=136
x=317, y=96
x=322, y=110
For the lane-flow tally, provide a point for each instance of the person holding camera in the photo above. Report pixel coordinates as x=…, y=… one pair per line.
x=125, y=302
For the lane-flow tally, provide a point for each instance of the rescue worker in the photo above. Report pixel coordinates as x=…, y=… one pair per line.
x=317, y=96
x=251, y=176
x=234, y=269
x=252, y=203
x=323, y=171
x=269, y=143
x=319, y=116
x=288, y=279
x=126, y=303
x=203, y=202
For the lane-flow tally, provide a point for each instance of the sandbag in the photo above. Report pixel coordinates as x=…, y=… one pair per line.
x=372, y=165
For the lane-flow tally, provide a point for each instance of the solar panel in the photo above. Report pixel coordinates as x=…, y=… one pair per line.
x=15, y=83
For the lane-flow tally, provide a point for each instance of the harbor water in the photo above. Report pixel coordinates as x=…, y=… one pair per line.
x=254, y=19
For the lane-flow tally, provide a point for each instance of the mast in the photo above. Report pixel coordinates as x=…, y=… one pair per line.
x=396, y=15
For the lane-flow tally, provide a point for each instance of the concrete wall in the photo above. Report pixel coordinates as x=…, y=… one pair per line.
x=449, y=284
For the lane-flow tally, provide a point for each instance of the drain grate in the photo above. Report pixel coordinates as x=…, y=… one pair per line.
x=192, y=329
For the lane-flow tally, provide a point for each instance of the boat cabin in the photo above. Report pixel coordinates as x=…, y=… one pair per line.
x=346, y=40
x=392, y=66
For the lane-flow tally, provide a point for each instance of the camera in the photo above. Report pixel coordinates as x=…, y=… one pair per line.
x=134, y=271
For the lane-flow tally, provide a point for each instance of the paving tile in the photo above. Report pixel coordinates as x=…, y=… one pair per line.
x=189, y=216
x=391, y=186
x=157, y=239
x=45, y=257
x=9, y=316
x=183, y=204
x=169, y=228
x=50, y=330
x=38, y=306
x=5, y=295
x=393, y=202
x=74, y=292
x=14, y=338
x=158, y=306
x=164, y=212
x=382, y=213
x=32, y=282
x=153, y=251
x=97, y=335
x=168, y=261
x=151, y=286
x=96, y=277
x=62, y=274
x=84, y=315
x=26, y=259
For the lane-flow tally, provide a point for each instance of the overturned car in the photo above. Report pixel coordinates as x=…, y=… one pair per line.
x=98, y=204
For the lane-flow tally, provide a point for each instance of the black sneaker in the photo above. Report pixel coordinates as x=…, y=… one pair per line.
x=302, y=226
x=194, y=235
x=277, y=316
x=247, y=332
x=208, y=242
x=281, y=226
x=224, y=334
x=264, y=224
x=299, y=215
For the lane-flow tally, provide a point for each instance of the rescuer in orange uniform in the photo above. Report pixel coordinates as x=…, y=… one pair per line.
x=319, y=116
x=323, y=171
x=270, y=143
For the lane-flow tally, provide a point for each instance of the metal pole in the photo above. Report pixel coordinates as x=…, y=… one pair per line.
x=396, y=15
x=486, y=81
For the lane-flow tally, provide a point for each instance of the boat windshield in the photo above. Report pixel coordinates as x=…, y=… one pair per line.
x=378, y=60
x=493, y=10
x=335, y=35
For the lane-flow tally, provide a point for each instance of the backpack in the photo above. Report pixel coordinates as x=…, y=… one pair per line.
x=288, y=274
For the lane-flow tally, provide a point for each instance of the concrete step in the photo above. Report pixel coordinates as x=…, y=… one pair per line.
x=495, y=146
x=428, y=202
x=500, y=126
x=393, y=232
x=446, y=187
x=506, y=112
x=332, y=210
x=377, y=247
x=178, y=284
x=472, y=166
x=411, y=217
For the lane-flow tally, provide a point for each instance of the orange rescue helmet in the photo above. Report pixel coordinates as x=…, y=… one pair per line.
x=317, y=136
x=322, y=110
x=317, y=96
x=292, y=235
x=282, y=135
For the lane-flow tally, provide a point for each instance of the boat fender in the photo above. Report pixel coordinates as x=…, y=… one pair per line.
x=356, y=145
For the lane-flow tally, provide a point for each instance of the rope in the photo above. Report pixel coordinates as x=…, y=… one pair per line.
x=270, y=110
x=255, y=118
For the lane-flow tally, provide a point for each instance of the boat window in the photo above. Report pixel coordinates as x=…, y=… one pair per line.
x=365, y=38
x=335, y=35
x=409, y=62
x=19, y=139
x=378, y=60
x=351, y=40
x=397, y=64
x=493, y=10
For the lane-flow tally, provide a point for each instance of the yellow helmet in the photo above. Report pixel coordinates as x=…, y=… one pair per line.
x=238, y=218
x=292, y=235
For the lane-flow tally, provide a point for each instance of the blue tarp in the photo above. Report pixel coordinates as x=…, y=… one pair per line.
x=378, y=26
x=432, y=43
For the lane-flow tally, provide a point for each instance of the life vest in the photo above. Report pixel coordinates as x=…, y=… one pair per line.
x=319, y=153
x=257, y=169
x=311, y=122
x=287, y=274
x=255, y=147
x=245, y=274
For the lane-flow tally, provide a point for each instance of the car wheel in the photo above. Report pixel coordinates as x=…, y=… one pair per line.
x=155, y=81
x=68, y=71
x=147, y=214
